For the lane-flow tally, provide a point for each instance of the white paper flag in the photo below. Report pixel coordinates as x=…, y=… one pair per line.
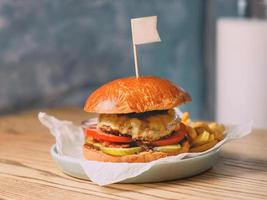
x=144, y=30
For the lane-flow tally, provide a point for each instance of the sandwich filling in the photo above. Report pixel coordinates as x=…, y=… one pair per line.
x=148, y=126
x=126, y=134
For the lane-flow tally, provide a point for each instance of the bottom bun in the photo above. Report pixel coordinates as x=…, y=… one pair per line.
x=97, y=155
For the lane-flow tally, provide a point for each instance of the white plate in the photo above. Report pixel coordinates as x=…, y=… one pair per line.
x=162, y=172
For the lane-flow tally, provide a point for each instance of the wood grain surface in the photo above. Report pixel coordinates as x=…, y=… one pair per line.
x=27, y=170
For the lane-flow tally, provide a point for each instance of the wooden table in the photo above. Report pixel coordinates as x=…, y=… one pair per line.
x=27, y=171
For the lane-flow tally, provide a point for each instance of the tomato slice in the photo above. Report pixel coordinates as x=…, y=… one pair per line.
x=100, y=135
x=174, y=139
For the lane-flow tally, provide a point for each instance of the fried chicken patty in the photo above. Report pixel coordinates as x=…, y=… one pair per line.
x=148, y=126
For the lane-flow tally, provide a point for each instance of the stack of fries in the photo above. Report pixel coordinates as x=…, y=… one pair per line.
x=202, y=135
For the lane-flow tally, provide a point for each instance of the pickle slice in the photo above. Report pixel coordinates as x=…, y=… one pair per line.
x=121, y=151
x=168, y=148
x=114, y=151
x=95, y=144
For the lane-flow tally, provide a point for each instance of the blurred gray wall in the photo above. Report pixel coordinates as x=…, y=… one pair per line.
x=54, y=53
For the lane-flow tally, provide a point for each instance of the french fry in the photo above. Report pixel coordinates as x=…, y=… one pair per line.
x=213, y=126
x=211, y=138
x=200, y=127
x=203, y=135
x=191, y=132
x=203, y=147
x=218, y=130
x=198, y=124
x=185, y=118
x=185, y=148
x=216, y=127
x=220, y=136
x=201, y=139
x=221, y=127
x=200, y=130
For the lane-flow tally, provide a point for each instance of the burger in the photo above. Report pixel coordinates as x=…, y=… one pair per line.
x=136, y=121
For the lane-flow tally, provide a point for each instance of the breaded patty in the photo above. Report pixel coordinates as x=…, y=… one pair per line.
x=148, y=126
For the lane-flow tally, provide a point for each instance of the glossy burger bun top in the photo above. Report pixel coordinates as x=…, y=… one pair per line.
x=131, y=94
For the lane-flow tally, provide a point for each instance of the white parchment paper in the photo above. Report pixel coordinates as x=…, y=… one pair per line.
x=70, y=140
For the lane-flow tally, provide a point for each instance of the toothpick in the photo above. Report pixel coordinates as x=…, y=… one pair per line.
x=135, y=61
x=135, y=55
